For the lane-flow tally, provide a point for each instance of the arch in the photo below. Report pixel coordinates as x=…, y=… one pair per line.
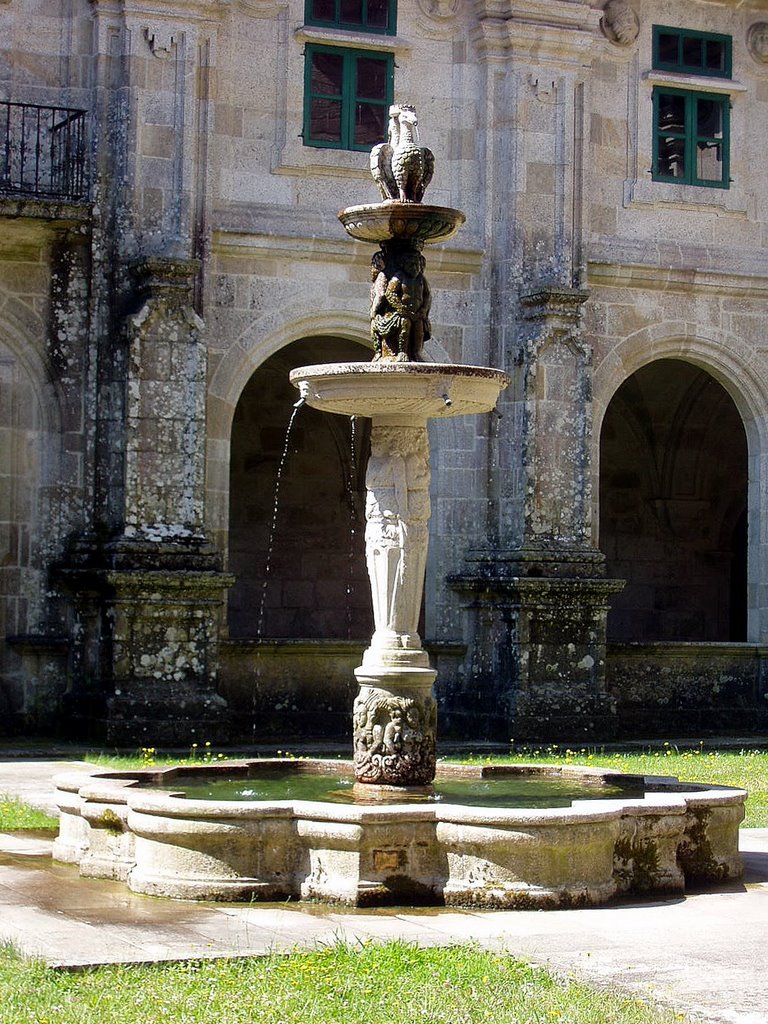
x=296, y=553
x=235, y=369
x=30, y=454
x=728, y=361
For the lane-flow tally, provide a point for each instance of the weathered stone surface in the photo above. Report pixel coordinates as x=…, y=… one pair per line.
x=368, y=855
x=574, y=271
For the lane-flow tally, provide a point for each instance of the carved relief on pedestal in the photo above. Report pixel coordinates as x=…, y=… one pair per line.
x=397, y=512
x=394, y=737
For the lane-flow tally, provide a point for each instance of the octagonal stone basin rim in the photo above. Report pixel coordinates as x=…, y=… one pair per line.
x=163, y=844
x=110, y=787
x=411, y=390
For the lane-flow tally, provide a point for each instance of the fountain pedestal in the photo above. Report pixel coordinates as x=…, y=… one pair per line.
x=395, y=715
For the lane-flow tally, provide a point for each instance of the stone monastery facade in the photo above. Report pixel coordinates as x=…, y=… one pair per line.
x=170, y=175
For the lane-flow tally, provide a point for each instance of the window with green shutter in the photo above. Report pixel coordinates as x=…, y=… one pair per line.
x=692, y=53
x=691, y=127
x=347, y=95
x=690, y=140
x=365, y=15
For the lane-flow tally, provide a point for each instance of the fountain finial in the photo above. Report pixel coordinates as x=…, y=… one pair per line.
x=401, y=167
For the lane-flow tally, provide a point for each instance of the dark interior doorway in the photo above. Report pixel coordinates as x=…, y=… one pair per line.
x=317, y=586
x=673, y=506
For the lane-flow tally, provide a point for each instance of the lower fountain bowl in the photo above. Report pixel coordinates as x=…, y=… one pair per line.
x=137, y=827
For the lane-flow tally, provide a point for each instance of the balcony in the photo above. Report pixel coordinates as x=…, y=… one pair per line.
x=42, y=152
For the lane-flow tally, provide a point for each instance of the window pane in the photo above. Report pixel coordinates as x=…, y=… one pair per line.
x=352, y=11
x=692, y=55
x=671, y=158
x=370, y=121
x=325, y=121
x=378, y=13
x=715, y=56
x=327, y=73
x=668, y=53
x=671, y=113
x=709, y=118
x=371, y=78
x=709, y=161
x=323, y=10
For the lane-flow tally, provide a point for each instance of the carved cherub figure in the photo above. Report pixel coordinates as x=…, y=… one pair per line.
x=400, y=305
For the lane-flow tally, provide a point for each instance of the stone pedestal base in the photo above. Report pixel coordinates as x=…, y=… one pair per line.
x=543, y=671
x=395, y=721
x=145, y=661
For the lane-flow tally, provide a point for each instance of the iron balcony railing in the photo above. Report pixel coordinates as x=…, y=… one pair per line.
x=42, y=151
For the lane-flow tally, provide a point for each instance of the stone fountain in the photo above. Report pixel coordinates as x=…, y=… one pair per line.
x=395, y=714
x=650, y=836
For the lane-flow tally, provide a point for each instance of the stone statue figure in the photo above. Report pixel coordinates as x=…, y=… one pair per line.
x=400, y=305
x=401, y=167
x=397, y=512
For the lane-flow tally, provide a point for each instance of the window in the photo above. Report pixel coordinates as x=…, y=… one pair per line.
x=691, y=126
x=347, y=94
x=368, y=15
x=690, y=141
x=692, y=53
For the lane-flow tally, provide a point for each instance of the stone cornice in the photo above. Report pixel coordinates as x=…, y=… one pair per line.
x=181, y=10
x=556, y=31
x=663, y=277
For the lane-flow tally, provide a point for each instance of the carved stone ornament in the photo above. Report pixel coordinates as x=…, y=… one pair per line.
x=401, y=167
x=619, y=23
x=439, y=9
x=757, y=41
x=397, y=512
x=161, y=40
x=394, y=738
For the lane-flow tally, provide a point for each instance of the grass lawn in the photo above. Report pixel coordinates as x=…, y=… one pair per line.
x=392, y=984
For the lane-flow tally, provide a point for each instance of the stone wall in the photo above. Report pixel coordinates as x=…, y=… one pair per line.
x=132, y=323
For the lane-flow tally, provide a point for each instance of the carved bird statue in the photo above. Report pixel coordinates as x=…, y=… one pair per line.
x=401, y=167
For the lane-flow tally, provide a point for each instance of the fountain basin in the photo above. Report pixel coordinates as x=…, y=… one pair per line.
x=393, y=220
x=113, y=825
x=387, y=390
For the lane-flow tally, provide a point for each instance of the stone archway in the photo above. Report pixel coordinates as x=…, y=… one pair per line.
x=673, y=500
x=316, y=585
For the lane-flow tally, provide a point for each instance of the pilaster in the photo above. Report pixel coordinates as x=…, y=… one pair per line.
x=537, y=604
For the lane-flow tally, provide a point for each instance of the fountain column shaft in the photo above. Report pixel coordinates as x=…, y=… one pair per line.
x=395, y=713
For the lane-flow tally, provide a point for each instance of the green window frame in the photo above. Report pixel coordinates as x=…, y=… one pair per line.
x=691, y=53
x=353, y=15
x=347, y=96
x=691, y=133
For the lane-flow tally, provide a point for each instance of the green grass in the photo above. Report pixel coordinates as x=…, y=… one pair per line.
x=16, y=816
x=392, y=984
x=747, y=769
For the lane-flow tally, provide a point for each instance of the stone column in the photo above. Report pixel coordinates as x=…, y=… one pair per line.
x=156, y=589
x=395, y=715
x=539, y=602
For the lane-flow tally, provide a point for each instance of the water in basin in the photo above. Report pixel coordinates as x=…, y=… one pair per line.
x=525, y=791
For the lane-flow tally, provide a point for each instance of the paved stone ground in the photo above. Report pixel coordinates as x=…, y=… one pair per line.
x=706, y=954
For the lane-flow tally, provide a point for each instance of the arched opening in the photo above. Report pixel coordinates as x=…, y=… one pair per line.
x=26, y=533
x=312, y=584
x=673, y=501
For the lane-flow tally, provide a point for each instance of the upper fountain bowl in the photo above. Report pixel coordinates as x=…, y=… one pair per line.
x=383, y=222
x=416, y=391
